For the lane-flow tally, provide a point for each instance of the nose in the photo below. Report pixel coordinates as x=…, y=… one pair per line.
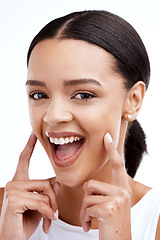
x=57, y=112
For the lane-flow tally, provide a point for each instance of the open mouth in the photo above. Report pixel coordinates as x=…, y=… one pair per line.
x=66, y=150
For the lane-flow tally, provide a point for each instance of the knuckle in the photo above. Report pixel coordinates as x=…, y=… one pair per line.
x=41, y=204
x=119, y=162
x=113, y=206
x=90, y=185
x=9, y=186
x=46, y=199
x=122, y=192
x=23, y=155
x=118, y=202
x=125, y=195
x=47, y=184
x=10, y=194
x=109, y=208
x=11, y=200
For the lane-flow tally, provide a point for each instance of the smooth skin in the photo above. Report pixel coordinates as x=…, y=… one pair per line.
x=19, y=197
x=102, y=194
x=14, y=211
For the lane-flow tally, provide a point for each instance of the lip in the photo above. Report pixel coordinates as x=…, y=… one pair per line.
x=62, y=134
x=71, y=160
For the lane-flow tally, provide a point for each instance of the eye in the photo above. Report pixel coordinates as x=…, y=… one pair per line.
x=38, y=95
x=83, y=96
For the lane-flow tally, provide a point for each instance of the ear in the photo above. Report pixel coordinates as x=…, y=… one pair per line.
x=134, y=101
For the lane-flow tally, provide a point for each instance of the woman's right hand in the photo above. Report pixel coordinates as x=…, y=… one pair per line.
x=27, y=201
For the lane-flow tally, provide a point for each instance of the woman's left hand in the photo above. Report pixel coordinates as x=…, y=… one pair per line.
x=109, y=203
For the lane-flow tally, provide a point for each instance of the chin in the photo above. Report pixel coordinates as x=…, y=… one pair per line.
x=70, y=181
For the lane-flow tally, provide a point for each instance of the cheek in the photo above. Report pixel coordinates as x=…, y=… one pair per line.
x=36, y=120
x=97, y=124
x=107, y=124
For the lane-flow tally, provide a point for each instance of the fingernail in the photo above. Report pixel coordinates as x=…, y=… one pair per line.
x=56, y=214
x=84, y=186
x=109, y=138
x=33, y=136
x=32, y=133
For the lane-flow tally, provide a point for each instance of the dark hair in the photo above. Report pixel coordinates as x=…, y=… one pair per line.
x=119, y=38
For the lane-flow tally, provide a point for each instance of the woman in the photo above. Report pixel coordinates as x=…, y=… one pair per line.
x=87, y=76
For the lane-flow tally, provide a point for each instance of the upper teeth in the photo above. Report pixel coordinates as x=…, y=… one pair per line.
x=65, y=140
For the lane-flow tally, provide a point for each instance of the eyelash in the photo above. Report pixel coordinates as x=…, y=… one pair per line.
x=86, y=96
x=38, y=96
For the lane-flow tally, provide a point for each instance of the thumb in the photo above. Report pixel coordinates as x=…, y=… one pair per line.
x=56, y=187
x=24, y=159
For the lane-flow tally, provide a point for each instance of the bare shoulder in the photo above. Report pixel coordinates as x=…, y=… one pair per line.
x=158, y=231
x=1, y=198
x=138, y=191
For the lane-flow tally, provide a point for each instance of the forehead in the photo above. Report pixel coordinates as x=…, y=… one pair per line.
x=54, y=61
x=72, y=52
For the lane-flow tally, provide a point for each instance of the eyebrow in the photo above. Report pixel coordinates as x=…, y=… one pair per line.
x=35, y=83
x=81, y=81
x=66, y=83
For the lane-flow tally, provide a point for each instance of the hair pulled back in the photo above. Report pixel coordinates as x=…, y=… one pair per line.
x=118, y=37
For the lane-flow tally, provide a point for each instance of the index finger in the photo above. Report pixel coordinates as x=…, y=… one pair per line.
x=24, y=159
x=119, y=175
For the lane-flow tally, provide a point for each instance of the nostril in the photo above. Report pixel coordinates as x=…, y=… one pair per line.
x=53, y=118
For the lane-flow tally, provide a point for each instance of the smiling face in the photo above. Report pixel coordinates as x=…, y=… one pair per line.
x=75, y=97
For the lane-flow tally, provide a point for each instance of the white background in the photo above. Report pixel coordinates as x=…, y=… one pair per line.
x=20, y=20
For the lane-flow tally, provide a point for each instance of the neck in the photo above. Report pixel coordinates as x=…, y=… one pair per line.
x=70, y=199
x=69, y=204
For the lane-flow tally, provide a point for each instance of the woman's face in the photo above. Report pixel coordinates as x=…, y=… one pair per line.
x=75, y=97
